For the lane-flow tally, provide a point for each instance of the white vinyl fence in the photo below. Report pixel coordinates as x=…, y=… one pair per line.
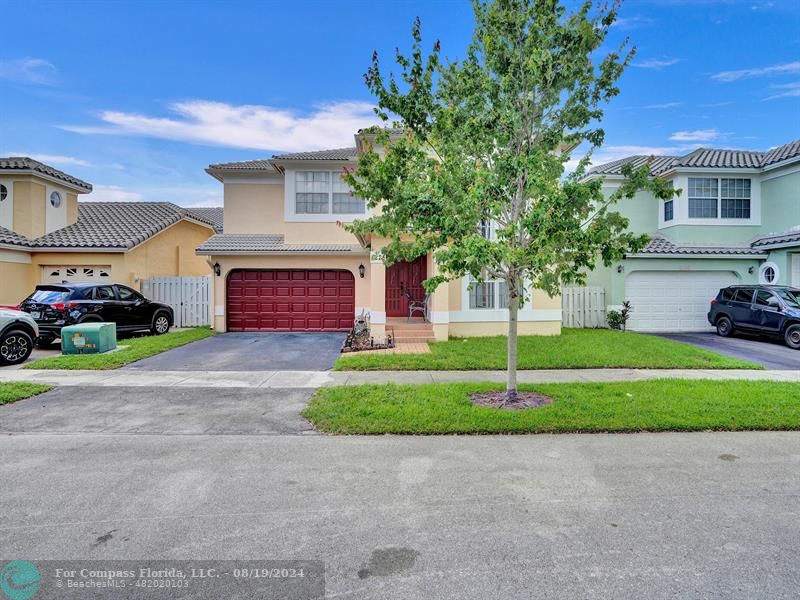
x=189, y=297
x=583, y=306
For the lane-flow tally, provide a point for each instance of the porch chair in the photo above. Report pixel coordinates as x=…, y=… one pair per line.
x=418, y=305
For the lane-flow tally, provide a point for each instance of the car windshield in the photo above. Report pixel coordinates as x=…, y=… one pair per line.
x=790, y=297
x=48, y=296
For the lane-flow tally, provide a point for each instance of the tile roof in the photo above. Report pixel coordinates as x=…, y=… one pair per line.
x=266, y=243
x=332, y=154
x=25, y=164
x=775, y=239
x=10, y=238
x=661, y=245
x=209, y=214
x=119, y=225
x=704, y=158
x=785, y=152
x=259, y=164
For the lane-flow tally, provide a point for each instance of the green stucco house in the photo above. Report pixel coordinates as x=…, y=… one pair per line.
x=736, y=220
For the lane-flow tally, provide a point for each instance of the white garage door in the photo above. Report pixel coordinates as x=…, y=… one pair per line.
x=673, y=301
x=76, y=273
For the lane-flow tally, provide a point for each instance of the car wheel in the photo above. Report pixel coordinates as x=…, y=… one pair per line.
x=724, y=327
x=43, y=342
x=160, y=324
x=15, y=347
x=792, y=336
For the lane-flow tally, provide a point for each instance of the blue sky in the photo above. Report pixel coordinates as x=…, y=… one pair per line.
x=139, y=97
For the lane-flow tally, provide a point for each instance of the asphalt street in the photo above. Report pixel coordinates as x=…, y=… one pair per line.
x=699, y=515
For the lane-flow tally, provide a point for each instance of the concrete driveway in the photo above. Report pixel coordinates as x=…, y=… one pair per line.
x=251, y=352
x=771, y=354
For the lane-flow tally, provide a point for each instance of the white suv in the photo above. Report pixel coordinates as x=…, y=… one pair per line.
x=18, y=331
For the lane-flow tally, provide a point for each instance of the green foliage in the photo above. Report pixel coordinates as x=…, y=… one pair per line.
x=573, y=349
x=658, y=405
x=137, y=349
x=618, y=319
x=485, y=139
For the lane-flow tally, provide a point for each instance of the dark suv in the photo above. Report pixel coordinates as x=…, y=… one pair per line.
x=56, y=306
x=768, y=309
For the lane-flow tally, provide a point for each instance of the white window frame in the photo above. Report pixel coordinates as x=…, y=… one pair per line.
x=762, y=272
x=680, y=207
x=290, y=196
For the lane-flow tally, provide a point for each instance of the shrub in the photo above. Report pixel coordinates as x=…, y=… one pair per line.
x=618, y=319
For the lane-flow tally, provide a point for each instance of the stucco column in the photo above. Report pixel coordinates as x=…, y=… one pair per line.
x=377, y=304
x=440, y=304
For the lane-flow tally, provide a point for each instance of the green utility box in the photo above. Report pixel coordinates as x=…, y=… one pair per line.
x=88, y=338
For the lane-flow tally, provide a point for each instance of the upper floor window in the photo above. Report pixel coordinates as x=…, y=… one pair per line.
x=3, y=192
x=487, y=229
x=710, y=197
x=669, y=210
x=324, y=192
x=55, y=199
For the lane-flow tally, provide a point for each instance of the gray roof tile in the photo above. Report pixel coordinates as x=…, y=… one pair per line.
x=11, y=238
x=775, y=239
x=120, y=225
x=260, y=164
x=781, y=153
x=704, y=158
x=266, y=243
x=209, y=214
x=662, y=245
x=333, y=154
x=24, y=164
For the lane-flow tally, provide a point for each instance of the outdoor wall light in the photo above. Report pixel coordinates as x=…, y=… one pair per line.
x=361, y=270
x=217, y=270
x=620, y=268
x=751, y=270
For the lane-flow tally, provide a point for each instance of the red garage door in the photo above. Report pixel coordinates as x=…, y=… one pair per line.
x=291, y=300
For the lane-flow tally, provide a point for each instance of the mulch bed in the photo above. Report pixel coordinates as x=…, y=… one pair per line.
x=498, y=400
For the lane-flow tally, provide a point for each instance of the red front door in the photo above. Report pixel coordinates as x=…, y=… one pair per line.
x=405, y=277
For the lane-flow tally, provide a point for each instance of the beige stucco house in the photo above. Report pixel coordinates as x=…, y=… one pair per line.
x=48, y=236
x=285, y=263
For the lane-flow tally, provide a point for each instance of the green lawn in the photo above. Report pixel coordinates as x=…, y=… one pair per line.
x=137, y=349
x=658, y=405
x=573, y=349
x=11, y=392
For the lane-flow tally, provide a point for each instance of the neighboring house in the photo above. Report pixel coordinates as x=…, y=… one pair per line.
x=736, y=220
x=48, y=236
x=285, y=263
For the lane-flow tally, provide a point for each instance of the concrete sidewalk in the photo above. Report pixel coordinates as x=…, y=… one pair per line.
x=315, y=379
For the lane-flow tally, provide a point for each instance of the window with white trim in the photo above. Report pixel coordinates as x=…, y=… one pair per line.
x=488, y=294
x=669, y=210
x=3, y=192
x=768, y=273
x=724, y=197
x=324, y=193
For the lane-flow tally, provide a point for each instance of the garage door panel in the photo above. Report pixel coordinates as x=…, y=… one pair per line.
x=672, y=300
x=291, y=300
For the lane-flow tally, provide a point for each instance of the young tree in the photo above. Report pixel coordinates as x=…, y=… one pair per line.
x=486, y=140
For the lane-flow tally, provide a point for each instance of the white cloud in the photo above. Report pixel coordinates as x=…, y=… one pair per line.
x=629, y=23
x=51, y=159
x=698, y=135
x=243, y=126
x=28, y=70
x=180, y=195
x=788, y=90
x=655, y=63
x=786, y=68
x=664, y=105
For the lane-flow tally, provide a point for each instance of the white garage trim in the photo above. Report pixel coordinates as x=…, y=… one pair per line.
x=673, y=300
x=76, y=273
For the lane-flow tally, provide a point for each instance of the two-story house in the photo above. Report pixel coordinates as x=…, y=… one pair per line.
x=48, y=236
x=736, y=220
x=285, y=263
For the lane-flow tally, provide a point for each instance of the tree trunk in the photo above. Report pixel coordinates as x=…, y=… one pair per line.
x=511, y=381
